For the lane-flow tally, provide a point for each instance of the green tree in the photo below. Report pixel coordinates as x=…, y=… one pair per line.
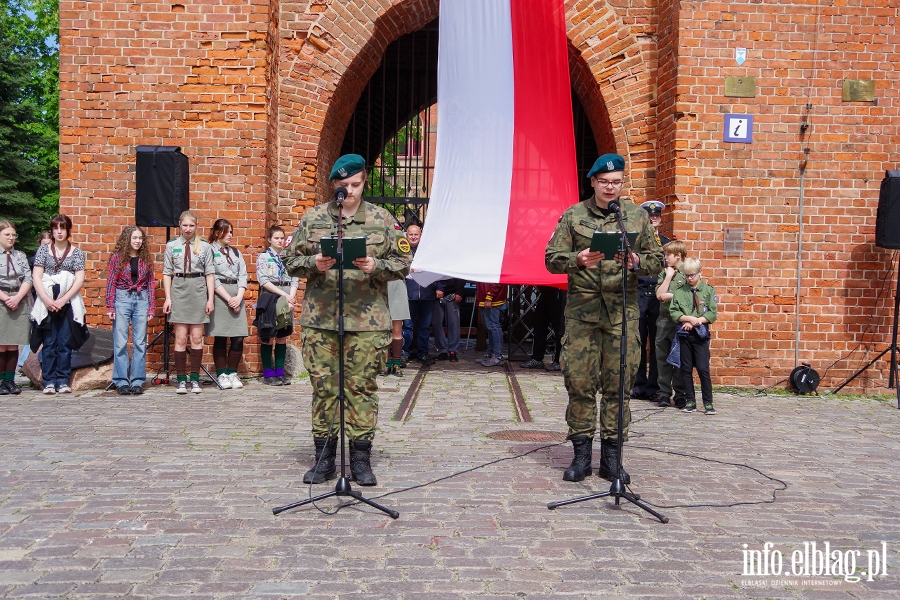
x=29, y=115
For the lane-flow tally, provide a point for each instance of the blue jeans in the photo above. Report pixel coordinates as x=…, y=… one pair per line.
x=131, y=309
x=56, y=356
x=491, y=319
x=421, y=311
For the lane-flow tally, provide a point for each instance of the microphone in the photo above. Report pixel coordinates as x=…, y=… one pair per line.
x=614, y=206
x=340, y=194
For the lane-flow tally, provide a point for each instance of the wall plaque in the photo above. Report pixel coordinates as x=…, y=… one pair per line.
x=734, y=241
x=740, y=87
x=858, y=90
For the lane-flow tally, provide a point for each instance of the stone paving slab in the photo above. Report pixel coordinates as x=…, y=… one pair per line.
x=165, y=496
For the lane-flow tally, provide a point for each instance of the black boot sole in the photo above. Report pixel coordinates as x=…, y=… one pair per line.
x=568, y=476
x=363, y=483
x=626, y=480
x=310, y=477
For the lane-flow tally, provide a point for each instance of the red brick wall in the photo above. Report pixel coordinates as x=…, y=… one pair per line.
x=797, y=58
x=259, y=96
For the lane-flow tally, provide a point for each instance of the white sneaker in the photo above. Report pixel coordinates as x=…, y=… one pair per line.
x=64, y=389
x=50, y=390
x=195, y=387
x=225, y=381
x=182, y=388
x=236, y=383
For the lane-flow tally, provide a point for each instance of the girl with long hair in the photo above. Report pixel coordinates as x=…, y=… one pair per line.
x=130, y=301
x=58, y=276
x=15, y=306
x=229, y=319
x=189, y=284
x=274, y=281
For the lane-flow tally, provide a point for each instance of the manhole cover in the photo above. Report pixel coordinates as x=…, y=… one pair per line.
x=524, y=435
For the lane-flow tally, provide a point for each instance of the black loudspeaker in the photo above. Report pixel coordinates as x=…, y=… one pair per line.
x=162, y=186
x=887, y=220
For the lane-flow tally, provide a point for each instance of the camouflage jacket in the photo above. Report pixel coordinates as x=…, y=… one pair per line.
x=595, y=293
x=365, y=296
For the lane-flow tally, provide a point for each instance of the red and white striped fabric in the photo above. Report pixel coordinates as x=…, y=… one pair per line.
x=505, y=161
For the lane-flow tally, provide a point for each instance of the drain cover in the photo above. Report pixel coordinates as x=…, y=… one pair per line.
x=525, y=435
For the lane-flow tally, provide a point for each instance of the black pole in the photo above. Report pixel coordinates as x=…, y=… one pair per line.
x=617, y=488
x=342, y=488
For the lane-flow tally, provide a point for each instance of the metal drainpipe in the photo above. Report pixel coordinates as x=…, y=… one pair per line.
x=799, y=261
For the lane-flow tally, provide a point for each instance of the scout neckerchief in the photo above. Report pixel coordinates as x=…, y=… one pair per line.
x=60, y=261
x=186, y=268
x=10, y=265
x=278, y=262
x=696, y=301
x=227, y=251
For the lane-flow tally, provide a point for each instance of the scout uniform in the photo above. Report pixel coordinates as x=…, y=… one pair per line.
x=270, y=269
x=665, y=336
x=366, y=322
x=15, y=325
x=231, y=273
x=646, y=385
x=188, y=263
x=590, y=346
x=700, y=301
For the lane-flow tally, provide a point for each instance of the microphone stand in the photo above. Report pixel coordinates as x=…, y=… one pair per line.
x=342, y=488
x=617, y=488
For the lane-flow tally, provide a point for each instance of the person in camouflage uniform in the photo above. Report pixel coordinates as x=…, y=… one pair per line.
x=590, y=355
x=367, y=320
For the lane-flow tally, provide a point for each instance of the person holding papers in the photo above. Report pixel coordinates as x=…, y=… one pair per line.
x=590, y=347
x=367, y=320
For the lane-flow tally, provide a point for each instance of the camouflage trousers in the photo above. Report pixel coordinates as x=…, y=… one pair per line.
x=590, y=364
x=365, y=355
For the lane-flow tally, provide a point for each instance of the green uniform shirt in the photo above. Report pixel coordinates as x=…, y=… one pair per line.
x=683, y=302
x=595, y=293
x=365, y=296
x=678, y=280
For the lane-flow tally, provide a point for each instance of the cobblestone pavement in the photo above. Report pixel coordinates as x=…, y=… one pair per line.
x=165, y=496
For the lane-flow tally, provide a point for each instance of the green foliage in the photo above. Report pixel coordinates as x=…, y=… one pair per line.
x=385, y=180
x=29, y=116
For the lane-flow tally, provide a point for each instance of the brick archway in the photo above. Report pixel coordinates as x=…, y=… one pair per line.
x=323, y=71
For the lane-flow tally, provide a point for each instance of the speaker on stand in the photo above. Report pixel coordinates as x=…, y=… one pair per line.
x=162, y=182
x=887, y=235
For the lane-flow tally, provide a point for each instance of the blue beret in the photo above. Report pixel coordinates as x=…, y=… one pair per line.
x=347, y=166
x=606, y=164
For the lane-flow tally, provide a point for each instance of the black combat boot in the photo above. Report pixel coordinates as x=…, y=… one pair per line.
x=324, y=468
x=609, y=457
x=582, y=446
x=360, y=468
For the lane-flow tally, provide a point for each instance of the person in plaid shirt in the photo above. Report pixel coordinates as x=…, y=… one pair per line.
x=130, y=287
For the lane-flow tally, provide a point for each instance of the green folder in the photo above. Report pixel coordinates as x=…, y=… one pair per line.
x=354, y=247
x=610, y=242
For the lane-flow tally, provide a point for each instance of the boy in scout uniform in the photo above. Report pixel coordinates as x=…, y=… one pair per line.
x=670, y=279
x=590, y=355
x=366, y=320
x=695, y=307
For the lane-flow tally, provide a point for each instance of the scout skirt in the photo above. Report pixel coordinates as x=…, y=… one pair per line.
x=189, y=301
x=224, y=322
x=398, y=301
x=15, y=325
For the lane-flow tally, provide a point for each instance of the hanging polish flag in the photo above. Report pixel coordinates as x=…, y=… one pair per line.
x=505, y=160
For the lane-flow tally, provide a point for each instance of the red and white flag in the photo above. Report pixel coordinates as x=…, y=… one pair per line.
x=505, y=161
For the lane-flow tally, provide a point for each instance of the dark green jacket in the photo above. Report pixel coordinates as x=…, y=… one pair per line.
x=677, y=282
x=683, y=302
x=595, y=293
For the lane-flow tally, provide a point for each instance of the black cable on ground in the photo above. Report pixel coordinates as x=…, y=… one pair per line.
x=651, y=412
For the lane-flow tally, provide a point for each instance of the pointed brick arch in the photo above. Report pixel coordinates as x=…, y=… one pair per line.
x=324, y=69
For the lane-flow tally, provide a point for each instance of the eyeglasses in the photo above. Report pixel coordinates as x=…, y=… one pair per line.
x=692, y=274
x=11, y=235
x=605, y=183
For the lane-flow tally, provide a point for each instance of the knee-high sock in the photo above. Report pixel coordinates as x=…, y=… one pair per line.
x=220, y=354
x=181, y=364
x=12, y=359
x=280, y=353
x=396, y=347
x=196, y=361
x=3, y=365
x=265, y=352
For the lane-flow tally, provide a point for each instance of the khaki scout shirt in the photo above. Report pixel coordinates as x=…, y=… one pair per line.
x=678, y=280
x=236, y=269
x=595, y=293
x=14, y=269
x=707, y=301
x=200, y=261
x=365, y=296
